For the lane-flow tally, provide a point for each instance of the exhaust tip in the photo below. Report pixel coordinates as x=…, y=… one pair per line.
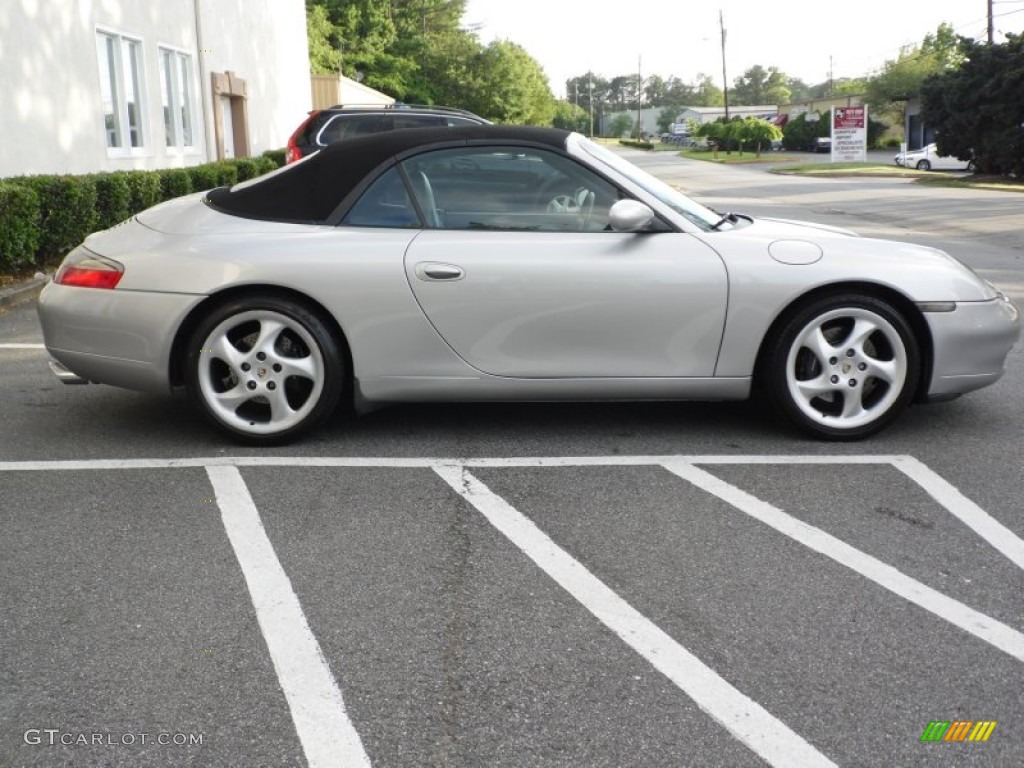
x=64, y=375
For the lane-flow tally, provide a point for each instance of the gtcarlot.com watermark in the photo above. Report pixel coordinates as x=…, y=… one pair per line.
x=52, y=737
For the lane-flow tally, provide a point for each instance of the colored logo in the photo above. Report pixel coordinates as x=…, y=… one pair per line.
x=958, y=730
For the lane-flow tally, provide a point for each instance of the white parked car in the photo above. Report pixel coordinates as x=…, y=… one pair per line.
x=928, y=159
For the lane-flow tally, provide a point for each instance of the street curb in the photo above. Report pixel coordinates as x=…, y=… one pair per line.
x=22, y=293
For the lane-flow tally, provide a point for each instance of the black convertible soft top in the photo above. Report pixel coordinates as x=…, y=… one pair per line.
x=312, y=189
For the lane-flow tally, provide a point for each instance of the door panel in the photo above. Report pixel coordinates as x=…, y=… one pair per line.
x=574, y=304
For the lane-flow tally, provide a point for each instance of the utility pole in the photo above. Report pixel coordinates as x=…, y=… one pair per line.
x=725, y=80
x=831, y=80
x=990, y=28
x=639, y=95
x=590, y=79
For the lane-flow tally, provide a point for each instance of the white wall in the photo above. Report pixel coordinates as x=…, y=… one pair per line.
x=264, y=43
x=51, y=116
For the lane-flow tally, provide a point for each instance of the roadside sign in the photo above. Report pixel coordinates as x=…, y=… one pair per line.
x=849, y=134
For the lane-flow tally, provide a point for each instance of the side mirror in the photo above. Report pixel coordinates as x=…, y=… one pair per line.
x=630, y=216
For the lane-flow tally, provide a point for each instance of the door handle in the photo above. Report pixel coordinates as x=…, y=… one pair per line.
x=432, y=270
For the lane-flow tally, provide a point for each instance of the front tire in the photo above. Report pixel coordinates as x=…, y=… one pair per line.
x=924, y=165
x=264, y=369
x=844, y=367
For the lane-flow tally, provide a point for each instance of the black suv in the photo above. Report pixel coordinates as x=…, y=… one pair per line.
x=326, y=126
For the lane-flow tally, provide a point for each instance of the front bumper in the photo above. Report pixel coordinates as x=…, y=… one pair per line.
x=116, y=337
x=971, y=345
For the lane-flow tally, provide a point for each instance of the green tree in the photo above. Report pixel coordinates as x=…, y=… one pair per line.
x=323, y=36
x=513, y=86
x=888, y=91
x=978, y=109
x=570, y=117
x=620, y=124
x=666, y=117
x=757, y=132
x=760, y=86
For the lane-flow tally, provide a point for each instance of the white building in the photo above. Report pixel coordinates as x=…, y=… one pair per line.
x=103, y=85
x=702, y=115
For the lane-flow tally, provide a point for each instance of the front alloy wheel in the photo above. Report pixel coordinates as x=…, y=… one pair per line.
x=264, y=369
x=844, y=367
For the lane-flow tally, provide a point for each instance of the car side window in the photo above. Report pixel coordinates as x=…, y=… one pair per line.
x=509, y=188
x=351, y=126
x=385, y=203
x=418, y=121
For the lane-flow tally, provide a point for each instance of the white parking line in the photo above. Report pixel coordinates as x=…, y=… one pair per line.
x=974, y=517
x=318, y=711
x=978, y=624
x=12, y=345
x=743, y=717
x=428, y=462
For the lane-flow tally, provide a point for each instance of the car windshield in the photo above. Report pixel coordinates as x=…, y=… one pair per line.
x=703, y=217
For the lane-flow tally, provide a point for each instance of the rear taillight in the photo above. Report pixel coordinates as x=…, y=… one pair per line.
x=292, y=151
x=87, y=270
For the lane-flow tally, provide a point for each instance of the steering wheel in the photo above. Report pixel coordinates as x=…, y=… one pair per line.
x=579, y=203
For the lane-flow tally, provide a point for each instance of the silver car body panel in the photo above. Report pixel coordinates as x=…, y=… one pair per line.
x=117, y=337
x=573, y=315
x=971, y=344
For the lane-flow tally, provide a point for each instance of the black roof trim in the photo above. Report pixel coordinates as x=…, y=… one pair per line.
x=312, y=190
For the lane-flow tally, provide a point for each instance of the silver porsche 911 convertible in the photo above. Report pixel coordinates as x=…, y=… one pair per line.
x=497, y=263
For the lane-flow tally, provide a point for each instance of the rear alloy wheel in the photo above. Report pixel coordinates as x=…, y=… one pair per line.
x=264, y=369
x=844, y=367
x=924, y=165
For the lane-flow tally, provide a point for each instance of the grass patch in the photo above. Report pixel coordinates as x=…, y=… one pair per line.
x=736, y=158
x=997, y=183
x=848, y=169
x=931, y=178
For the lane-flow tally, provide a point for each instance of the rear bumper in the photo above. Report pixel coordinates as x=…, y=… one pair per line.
x=971, y=345
x=113, y=337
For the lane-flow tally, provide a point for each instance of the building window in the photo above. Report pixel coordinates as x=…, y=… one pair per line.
x=176, y=93
x=121, y=90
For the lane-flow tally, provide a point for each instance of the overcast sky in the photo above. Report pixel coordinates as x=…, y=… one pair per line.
x=682, y=38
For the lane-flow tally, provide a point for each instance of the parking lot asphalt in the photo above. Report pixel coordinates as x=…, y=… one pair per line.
x=550, y=585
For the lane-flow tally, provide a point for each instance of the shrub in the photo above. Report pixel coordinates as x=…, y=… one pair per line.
x=265, y=164
x=67, y=212
x=202, y=177
x=275, y=155
x=174, y=182
x=19, y=225
x=145, y=188
x=247, y=168
x=636, y=144
x=227, y=174
x=113, y=199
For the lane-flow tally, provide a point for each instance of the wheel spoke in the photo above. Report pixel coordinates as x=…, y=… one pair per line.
x=280, y=410
x=233, y=398
x=853, y=408
x=888, y=371
x=269, y=331
x=303, y=367
x=859, y=334
x=816, y=387
x=224, y=350
x=815, y=342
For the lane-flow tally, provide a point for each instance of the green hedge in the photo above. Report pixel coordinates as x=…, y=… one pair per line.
x=19, y=227
x=43, y=217
x=67, y=211
x=636, y=144
x=113, y=199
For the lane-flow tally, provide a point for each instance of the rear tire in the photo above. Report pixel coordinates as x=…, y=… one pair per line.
x=923, y=165
x=843, y=367
x=264, y=369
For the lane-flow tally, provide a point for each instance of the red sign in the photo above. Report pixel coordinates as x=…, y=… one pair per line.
x=848, y=117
